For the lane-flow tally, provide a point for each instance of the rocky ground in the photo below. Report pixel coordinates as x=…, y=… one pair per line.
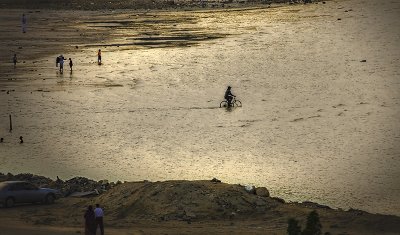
x=76, y=184
x=180, y=207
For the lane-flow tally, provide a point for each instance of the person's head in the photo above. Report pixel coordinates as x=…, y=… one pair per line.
x=90, y=208
x=229, y=87
x=97, y=205
x=69, y=58
x=99, y=50
x=20, y=137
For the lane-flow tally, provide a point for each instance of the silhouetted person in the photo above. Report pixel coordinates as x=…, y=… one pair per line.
x=99, y=57
x=57, y=60
x=98, y=212
x=61, y=62
x=21, y=140
x=15, y=60
x=70, y=64
x=90, y=226
x=23, y=23
x=228, y=95
x=1, y=140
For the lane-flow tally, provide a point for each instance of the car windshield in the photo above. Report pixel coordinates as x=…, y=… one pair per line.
x=2, y=186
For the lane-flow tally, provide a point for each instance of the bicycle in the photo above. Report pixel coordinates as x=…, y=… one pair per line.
x=234, y=103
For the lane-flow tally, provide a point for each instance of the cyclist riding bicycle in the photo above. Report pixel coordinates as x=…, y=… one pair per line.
x=228, y=95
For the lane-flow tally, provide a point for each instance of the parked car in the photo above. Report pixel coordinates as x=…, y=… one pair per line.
x=12, y=192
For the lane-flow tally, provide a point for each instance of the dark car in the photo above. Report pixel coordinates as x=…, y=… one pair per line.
x=12, y=192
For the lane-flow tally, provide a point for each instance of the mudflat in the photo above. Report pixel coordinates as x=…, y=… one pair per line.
x=318, y=83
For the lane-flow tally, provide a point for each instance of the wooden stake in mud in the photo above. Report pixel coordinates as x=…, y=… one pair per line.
x=10, y=123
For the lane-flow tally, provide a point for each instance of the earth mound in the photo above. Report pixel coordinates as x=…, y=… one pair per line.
x=183, y=200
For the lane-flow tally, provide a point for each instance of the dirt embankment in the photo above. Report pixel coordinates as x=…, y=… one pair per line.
x=194, y=206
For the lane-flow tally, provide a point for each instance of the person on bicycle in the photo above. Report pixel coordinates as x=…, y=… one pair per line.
x=228, y=95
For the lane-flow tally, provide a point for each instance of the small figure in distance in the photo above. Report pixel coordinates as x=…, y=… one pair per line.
x=15, y=60
x=70, y=64
x=23, y=23
x=229, y=96
x=58, y=60
x=21, y=140
x=61, y=61
x=1, y=140
x=99, y=57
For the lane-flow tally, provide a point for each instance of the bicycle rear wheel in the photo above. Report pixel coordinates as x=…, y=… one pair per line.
x=223, y=104
x=238, y=103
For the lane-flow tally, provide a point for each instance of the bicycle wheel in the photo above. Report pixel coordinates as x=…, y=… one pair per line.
x=238, y=103
x=223, y=104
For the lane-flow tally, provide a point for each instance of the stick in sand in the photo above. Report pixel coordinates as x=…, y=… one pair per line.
x=10, y=123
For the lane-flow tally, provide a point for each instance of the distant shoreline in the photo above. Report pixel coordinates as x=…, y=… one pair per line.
x=141, y=4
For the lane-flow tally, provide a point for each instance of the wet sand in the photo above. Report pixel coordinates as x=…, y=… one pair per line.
x=316, y=124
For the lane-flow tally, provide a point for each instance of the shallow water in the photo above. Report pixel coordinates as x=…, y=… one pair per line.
x=316, y=123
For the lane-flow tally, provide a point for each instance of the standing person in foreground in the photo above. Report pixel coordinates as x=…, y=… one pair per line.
x=98, y=212
x=23, y=23
x=99, y=57
x=228, y=95
x=89, y=221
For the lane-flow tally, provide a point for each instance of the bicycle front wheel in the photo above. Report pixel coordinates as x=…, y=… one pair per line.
x=238, y=103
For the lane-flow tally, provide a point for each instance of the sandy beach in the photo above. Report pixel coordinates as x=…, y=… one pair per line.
x=318, y=82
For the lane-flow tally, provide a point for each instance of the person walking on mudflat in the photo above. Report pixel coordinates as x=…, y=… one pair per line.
x=99, y=214
x=23, y=23
x=99, y=57
x=15, y=60
x=61, y=62
x=70, y=64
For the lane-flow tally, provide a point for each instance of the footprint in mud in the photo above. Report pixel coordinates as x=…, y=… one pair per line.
x=297, y=119
x=336, y=106
x=315, y=116
x=153, y=68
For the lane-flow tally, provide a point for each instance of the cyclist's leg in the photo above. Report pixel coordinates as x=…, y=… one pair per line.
x=229, y=99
